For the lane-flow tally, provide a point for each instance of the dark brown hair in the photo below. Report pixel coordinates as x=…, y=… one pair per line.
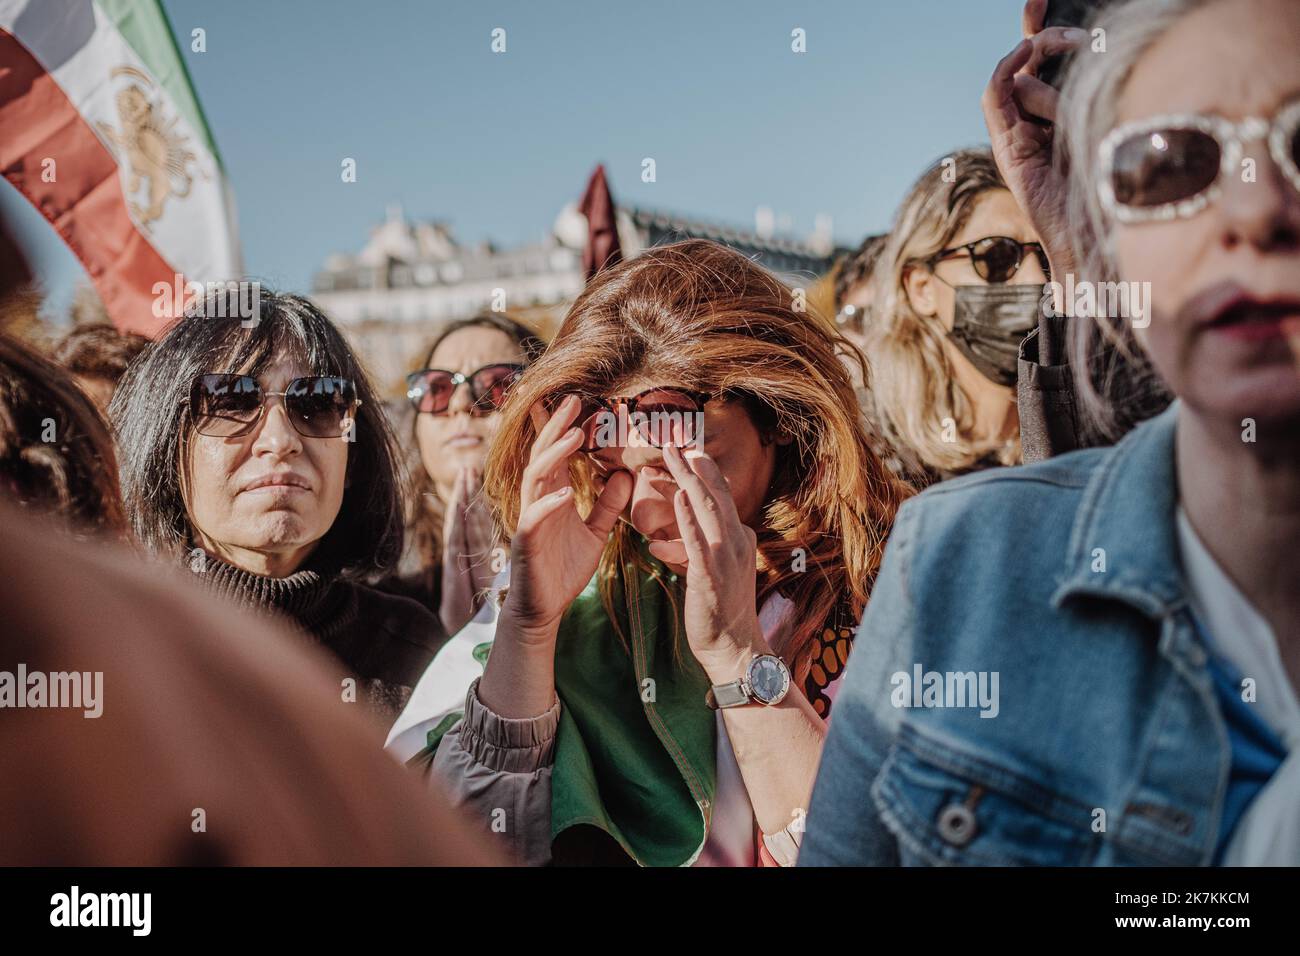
x=150, y=413
x=98, y=351
x=56, y=453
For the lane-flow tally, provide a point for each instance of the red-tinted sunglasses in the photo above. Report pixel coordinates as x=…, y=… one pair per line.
x=659, y=415
x=430, y=389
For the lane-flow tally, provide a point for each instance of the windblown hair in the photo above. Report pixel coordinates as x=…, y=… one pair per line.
x=425, y=518
x=699, y=315
x=56, y=453
x=1121, y=388
x=914, y=386
x=150, y=412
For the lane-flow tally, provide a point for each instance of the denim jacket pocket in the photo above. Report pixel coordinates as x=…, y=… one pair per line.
x=947, y=806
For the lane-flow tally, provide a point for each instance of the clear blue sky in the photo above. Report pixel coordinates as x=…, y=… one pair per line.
x=496, y=143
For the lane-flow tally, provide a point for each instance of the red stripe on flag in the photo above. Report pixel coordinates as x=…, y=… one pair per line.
x=85, y=203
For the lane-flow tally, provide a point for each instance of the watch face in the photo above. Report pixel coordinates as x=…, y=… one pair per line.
x=768, y=679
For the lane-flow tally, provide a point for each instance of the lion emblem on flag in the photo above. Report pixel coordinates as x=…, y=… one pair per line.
x=155, y=152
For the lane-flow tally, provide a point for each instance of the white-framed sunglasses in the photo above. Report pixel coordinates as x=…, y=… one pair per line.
x=1172, y=166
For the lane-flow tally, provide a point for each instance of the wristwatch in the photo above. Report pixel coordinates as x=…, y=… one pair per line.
x=766, y=680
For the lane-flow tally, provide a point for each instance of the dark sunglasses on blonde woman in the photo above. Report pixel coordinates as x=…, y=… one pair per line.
x=226, y=405
x=430, y=389
x=996, y=258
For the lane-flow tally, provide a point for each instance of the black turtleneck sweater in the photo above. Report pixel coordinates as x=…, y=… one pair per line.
x=383, y=641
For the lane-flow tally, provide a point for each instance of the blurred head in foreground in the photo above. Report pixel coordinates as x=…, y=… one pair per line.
x=120, y=764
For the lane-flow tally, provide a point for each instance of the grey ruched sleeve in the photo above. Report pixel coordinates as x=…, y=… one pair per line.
x=498, y=770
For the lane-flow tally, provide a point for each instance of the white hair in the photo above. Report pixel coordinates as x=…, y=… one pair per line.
x=1116, y=384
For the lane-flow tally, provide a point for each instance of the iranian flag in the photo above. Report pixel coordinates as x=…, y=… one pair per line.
x=101, y=130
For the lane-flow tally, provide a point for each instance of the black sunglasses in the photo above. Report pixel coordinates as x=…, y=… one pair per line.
x=227, y=405
x=430, y=389
x=652, y=413
x=996, y=258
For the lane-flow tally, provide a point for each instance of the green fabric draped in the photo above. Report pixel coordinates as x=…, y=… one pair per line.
x=635, y=763
x=635, y=753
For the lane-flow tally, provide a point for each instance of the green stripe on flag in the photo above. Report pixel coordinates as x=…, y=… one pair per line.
x=143, y=24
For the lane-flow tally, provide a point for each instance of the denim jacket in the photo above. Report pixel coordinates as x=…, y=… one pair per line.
x=1104, y=743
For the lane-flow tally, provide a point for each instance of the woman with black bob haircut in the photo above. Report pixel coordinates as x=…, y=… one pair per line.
x=257, y=453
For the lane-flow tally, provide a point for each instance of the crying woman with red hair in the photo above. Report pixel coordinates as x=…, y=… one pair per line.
x=657, y=684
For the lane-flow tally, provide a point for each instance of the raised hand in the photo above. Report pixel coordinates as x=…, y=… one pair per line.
x=555, y=550
x=480, y=532
x=721, y=623
x=456, y=606
x=467, y=540
x=1020, y=110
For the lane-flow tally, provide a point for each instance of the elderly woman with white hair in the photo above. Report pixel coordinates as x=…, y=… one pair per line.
x=1129, y=616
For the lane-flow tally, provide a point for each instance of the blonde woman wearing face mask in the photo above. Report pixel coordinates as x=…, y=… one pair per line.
x=957, y=289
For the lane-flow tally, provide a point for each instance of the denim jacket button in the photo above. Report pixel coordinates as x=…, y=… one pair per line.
x=957, y=824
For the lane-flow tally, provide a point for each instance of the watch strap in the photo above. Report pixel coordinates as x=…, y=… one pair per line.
x=732, y=694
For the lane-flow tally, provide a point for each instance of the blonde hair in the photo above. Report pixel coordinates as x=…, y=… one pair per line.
x=699, y=313
x=914, y=389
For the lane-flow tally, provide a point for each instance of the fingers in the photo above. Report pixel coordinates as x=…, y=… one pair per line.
x=478, y=517
x=536, y=513
x=463, y=506
x=1011, y=64
x=1050, y=42
x=1037, y=98
x=552, y=448
x=693, y=538
x=550, y=467
x=539, y=416
x=708, y=471
x=710, y=512
x=998, y=101
x=457, y=488
x=1031, y=19
x=610, y=503
x=480, y=530
x=553, y=425
x=453, y=522
x=452, y=509
x=474, y=503
x=1009, y=96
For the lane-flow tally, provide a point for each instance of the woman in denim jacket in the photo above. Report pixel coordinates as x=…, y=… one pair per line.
x=1094, y=659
